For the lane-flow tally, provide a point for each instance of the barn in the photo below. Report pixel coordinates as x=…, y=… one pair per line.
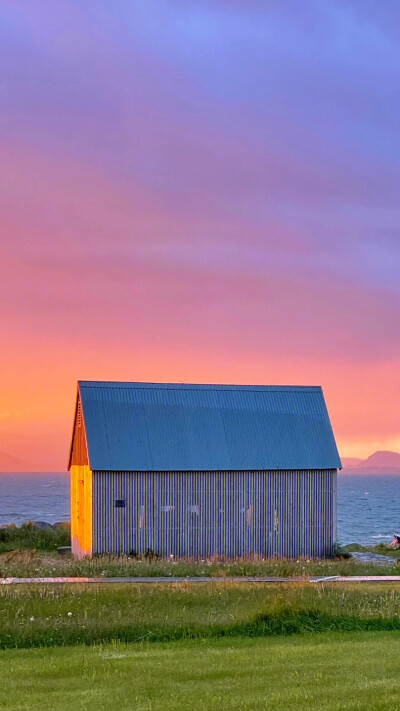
x=200, y=470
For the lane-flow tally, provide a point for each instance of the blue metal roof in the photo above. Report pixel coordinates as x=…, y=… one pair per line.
x=175, y=427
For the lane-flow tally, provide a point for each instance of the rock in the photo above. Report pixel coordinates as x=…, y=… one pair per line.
x=41, y=525
x=62, y=524
x=64, y=550
x=383, y=560
x=18, y=556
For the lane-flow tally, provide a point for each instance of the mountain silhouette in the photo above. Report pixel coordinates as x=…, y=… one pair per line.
x=377, y=463
x=8, y=463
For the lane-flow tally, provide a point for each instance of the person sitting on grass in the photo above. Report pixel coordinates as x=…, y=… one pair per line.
x=396, y=541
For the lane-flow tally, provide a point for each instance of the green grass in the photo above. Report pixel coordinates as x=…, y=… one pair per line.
x=29, y=537
x=330, y=673
x=31, y=564
x=64, y=615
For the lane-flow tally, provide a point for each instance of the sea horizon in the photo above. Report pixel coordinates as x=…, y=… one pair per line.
x=368, y=504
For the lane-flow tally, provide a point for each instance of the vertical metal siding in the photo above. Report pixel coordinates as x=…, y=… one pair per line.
x=198, y=514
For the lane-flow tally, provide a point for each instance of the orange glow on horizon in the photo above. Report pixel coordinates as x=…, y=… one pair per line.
x=36, y=407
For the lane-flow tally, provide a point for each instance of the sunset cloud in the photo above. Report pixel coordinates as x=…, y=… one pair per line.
x=199, y=191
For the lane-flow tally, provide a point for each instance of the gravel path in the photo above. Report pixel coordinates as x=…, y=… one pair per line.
x=241, y=579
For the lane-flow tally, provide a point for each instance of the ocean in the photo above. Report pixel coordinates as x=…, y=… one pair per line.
x=368, y=505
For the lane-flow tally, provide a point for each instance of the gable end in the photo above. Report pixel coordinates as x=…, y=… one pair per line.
x=78, y=451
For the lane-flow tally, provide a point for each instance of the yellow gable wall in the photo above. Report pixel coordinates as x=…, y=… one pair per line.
x=81, y=510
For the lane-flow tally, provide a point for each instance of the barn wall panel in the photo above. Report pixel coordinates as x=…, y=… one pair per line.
x=199, y=514
x=81, y=510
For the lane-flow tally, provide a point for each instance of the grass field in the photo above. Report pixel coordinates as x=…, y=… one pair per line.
x=329, y=672
x=205, y=646
x=64, y=615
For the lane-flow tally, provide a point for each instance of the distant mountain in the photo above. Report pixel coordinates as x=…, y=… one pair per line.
x=8, y=463
x=377, y=463
x=382, y=459
x=349, y=462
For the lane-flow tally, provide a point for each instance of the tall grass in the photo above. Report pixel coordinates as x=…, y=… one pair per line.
x=54, y=616
x=47, y=564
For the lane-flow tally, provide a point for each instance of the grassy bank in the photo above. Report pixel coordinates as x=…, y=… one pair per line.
x=61, y=615
x=30, y=563
x=30, y=537
x=29, y=551
x=331, y=672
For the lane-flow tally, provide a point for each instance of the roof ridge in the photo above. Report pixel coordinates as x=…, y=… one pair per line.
x=191, y=386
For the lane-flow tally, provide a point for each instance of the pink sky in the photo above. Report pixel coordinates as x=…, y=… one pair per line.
x=205, y=192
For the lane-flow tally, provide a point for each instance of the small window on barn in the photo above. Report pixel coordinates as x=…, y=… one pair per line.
x=194, y=509
x=119, y=503
x=167, y=509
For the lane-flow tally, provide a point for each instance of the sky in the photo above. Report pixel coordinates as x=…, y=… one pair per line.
x=199, y=191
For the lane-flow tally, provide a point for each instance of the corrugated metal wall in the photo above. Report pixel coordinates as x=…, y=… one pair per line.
x=266, y=513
